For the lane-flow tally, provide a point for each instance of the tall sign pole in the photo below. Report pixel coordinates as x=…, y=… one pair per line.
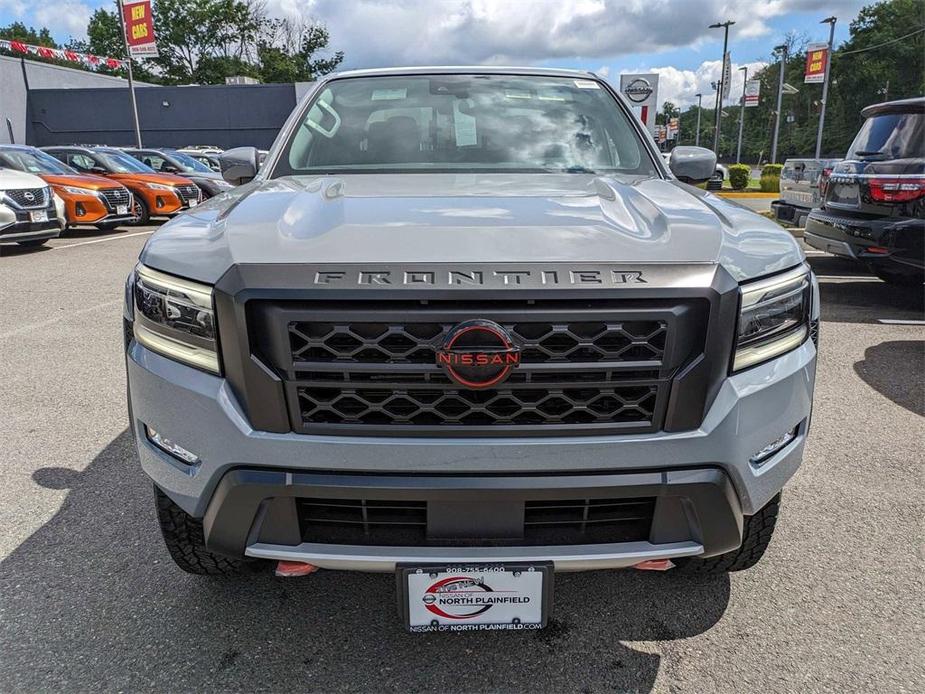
x=782, y=49
x=742, y=113
x=825, y=83
x=131, y=79
x=719, y=92
x=699, y=100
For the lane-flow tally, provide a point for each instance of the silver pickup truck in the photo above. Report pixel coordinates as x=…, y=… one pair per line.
x=466, y=326
x=801, y=188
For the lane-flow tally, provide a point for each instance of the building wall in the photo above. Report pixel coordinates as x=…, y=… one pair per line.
x=40, y=76
x=221, y=115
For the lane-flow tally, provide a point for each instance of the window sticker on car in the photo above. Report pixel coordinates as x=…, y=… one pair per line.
x=389, y=94
x=587, y=84
x=464, y=126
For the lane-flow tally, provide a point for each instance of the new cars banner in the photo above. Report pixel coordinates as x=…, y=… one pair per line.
x=139, y=28
x=815, y=63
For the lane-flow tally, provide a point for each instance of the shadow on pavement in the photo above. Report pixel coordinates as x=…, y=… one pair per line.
x=896, y=370
x=91, y=601
x=850, y=294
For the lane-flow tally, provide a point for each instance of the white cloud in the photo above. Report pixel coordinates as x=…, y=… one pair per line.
x=414, y=32
x=64, y=17
x=682, y=86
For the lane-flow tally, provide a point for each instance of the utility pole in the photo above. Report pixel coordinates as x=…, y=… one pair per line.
x=131, y=81
x=782, y=49
x=742, y=113
x=719, y=92
x=699, y=100
x=825, y=82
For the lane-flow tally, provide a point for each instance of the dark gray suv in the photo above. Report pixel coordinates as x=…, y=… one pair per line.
x=465, y=325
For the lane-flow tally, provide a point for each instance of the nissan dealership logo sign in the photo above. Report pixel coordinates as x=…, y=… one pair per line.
x=638, y=91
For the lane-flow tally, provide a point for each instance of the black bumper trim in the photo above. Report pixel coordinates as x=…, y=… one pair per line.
x=699, y=504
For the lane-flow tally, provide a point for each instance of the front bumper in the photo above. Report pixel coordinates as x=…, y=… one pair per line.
x=15, y=226
x=199, y=412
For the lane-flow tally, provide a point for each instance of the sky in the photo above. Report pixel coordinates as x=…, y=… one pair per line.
x=609, y=37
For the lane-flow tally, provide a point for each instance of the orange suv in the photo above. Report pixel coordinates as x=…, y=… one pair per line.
x=155, y=194
x=88, y=199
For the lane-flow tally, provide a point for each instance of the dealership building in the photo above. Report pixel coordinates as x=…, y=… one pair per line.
x=44, y=104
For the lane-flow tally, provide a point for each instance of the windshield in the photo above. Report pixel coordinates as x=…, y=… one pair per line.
x=187, y=164
x=119, y=162
x=890, y=136
x=464, y=123
x=35, y=162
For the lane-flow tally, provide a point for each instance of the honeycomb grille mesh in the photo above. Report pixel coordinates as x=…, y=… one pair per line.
x=416, y=343
x=517, y=406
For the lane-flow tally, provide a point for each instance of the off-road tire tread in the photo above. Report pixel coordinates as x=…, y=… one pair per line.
x=756, y=536
x=185, y=542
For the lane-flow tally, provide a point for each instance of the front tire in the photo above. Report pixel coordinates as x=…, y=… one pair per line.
x=756, y=536
x=33, y=243
x=108, y=226
x=186, y=544
x=142, y=213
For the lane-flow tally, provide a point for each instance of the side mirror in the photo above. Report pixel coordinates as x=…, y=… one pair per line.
x=170, y=168
x=239, y=165
x=692, y=164
x=99, y=171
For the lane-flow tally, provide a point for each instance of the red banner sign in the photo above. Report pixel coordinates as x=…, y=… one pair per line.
x=139, y=28
x=816, y=54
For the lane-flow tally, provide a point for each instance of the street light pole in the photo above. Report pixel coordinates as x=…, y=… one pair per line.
x=825, y=82
x=719, y=93
x=742, y=113
x=782, y=49
x=699, y=100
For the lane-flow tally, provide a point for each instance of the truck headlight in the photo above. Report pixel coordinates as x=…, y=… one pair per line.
x=773, y=317
x=174, y=317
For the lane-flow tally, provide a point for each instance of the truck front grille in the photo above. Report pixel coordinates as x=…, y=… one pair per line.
x=370, y=368
x=400, y=522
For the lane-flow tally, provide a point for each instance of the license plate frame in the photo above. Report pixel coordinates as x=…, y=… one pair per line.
x=504, y=574
x=38, y=216
x=121, y=209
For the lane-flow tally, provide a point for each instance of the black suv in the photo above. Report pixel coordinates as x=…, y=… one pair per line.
x=873, y=205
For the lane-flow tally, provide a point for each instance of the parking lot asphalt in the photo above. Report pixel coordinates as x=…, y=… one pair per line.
x=89, y=599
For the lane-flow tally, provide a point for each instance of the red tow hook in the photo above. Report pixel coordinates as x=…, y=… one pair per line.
x=290, y=569
x=654, y=565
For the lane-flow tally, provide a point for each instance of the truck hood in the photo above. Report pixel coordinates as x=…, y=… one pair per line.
x=469, y=218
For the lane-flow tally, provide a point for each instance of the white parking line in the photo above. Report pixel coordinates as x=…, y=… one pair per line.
x=110, y=238
x=847, y=278
x=896, y=321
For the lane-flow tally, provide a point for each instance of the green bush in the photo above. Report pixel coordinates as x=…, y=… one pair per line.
x=769, y=183
x=738, y=176
x=772, y=170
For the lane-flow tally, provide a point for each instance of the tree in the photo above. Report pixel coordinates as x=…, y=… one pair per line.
x=205, y=41
x=287, y=53
x=17, y=31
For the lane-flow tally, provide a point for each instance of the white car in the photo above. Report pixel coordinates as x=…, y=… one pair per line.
x=30, y=212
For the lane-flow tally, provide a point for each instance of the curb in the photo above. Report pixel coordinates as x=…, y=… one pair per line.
x=745, y=194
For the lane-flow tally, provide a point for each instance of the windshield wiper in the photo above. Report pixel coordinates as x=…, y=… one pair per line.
x=579, y=169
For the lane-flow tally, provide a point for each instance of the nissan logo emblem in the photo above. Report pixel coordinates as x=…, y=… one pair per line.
x=29, y=195
x=478, y=354
x=638, y=90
